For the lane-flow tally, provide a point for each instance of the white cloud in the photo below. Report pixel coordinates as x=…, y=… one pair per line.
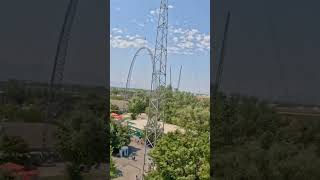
x=176, y=30
x=173, y=49
x=175, y=39
x=117, y=9
x=153, y=15
x=150, y=19
x=187, y=41
x=198, y=38
x=116, y=30
x=155, y=12
x=189, y=37
x=205, y=41
x=194, y=31
x=184, y=45
x=127, y=41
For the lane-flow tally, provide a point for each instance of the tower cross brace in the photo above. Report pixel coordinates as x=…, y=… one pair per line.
x=153, y=129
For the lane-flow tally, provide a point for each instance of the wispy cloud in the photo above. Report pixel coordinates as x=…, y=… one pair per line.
x=152, y=12
x=116, y=31
x=153, y=15
x=138, y=24
x=180, y=41
x=187, y=41
x=121, y=40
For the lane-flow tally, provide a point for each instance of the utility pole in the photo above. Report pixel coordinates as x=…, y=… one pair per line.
x=153, y=128
x=170, y=78
x=179, y=78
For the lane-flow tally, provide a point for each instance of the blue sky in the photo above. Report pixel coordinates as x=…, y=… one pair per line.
x=133, y=25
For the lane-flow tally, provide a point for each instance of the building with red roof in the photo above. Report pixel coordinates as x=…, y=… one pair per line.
x=117, y=116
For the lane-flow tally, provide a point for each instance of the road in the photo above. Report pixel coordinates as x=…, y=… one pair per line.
x=130, y=168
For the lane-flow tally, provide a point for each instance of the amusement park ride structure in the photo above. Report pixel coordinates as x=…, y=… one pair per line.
x=58, y=70
x=154, y=129
x=155, y=124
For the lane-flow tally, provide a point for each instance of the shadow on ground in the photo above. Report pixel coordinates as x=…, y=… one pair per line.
x=119, y=173
x=133, y=150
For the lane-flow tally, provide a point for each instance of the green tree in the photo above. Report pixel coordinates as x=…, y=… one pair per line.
x=14, y=149
x=93, y=102
x=182, y=156
x=16, y=91
x=73, y=172
x=119, y=136
x=115, y=91
x=10, y=111
x=81, y=140
x=196, y=118
x=113, y=169
x=31, y=114
x=251, y=141
x=138, y=104
x=114, y=108
x=133, y=116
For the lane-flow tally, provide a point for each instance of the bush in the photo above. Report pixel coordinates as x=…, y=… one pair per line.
x=119, y=136
x=4, y=175
x=114, y=108
x=14, y=149
x=133, y=116
x=73, y=172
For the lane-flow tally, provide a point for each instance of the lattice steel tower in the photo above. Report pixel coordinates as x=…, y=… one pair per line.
x=58, y=69
x=155, y=123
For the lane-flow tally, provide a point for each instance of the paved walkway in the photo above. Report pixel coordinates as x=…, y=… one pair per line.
x=59, y=170
x=130, y=168
x=56, y=170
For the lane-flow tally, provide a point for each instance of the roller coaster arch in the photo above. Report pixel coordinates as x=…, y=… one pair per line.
x=132, y=65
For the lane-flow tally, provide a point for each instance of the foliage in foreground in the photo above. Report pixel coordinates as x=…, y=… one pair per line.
x=138, y=103
x=252, y=142
x=13, y=149
x=113, y=169
x=72, y=172
x=119, y=136
x=182, y=156
x=81, y=141
x=185, y=110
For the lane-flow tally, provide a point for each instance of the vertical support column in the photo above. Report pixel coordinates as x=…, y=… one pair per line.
x=158, y=83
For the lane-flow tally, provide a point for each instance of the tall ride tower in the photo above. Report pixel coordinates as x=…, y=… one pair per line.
x=155, y=123
x=58, y=69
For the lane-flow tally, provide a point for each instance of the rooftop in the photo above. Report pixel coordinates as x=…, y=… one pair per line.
x=141, y=123
x=30, y=132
